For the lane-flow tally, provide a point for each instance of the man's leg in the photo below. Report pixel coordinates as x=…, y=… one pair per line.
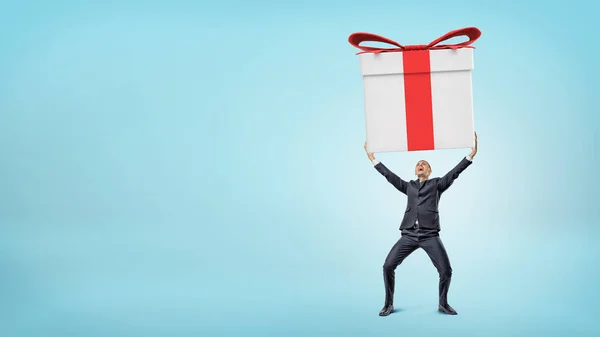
x=397, y=254
x=437, y=253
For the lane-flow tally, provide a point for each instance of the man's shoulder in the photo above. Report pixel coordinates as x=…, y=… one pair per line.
x=434, y=180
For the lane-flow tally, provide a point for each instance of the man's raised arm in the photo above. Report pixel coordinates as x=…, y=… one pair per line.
x=391, y=177
x=447, y=180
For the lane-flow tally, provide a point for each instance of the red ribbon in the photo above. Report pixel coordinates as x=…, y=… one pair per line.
x=417, y=80
x=471, y=32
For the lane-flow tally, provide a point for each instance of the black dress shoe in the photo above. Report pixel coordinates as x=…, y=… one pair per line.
x=388, y=309
x=447, y=309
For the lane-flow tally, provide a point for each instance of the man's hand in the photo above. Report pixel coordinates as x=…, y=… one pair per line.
x=474, y=149
x=370, y=154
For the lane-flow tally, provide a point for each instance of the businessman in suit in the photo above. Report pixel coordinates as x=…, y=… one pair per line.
x=420, y=226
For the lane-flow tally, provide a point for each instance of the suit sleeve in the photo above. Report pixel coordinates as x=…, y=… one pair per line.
x=446, y=181
x=391, y=177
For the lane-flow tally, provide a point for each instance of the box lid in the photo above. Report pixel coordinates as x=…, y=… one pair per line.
x=440, y=60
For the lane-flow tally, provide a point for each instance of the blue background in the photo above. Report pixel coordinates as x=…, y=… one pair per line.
x=197, y=169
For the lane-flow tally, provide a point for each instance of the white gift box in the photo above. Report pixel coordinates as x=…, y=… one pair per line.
x=419, y=99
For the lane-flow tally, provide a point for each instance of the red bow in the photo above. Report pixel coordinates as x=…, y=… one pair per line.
x=471, y=32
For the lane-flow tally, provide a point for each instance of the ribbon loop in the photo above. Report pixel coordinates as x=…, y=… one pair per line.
x=357, y=38
x=471, y=32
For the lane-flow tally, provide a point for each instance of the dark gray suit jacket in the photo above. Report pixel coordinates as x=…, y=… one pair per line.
x=423, y=201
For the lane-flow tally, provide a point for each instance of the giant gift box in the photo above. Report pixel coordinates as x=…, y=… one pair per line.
x=418, y=97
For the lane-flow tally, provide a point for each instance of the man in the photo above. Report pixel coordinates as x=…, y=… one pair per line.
x=421, y=225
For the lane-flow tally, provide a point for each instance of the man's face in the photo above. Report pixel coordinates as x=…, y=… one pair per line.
x=423, y=169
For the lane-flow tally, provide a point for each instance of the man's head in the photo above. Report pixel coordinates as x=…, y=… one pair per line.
x=423, y=170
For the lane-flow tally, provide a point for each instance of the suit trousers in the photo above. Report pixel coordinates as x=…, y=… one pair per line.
x=434, y=247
